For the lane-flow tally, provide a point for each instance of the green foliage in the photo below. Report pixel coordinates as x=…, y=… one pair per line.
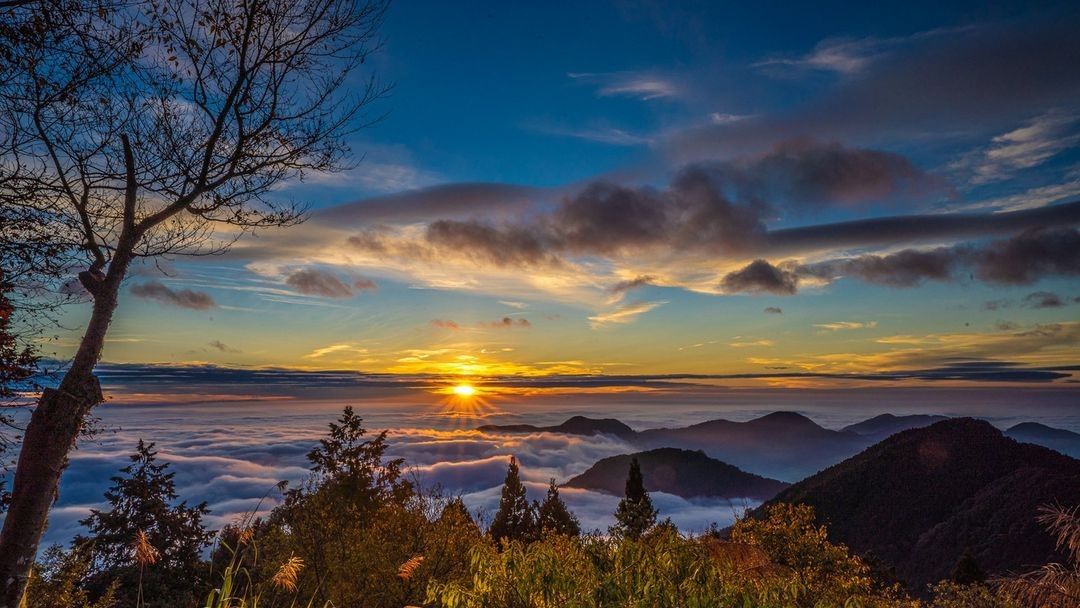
x=822, y=572
x=553, y=517
x=660, y=569
x=141, y=500
x=57, y=582
x=515, y=519
x=366, y=535
x=635, y=513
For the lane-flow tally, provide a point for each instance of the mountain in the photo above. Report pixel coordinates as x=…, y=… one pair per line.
x=880, y=427
x=783, y=445
x=578, y=425
x=920, y=498
x=684, y=473
x=1066, y=442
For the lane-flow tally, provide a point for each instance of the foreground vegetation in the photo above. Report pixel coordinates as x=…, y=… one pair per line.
x=358, y=532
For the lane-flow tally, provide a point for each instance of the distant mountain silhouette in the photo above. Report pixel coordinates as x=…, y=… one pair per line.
x=684, y=473
x=1066, y=442
x=880, y=427
x=920, y=498
x=784, y=445
x=578, y=425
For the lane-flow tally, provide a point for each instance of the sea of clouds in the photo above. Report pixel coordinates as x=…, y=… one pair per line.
x=229, y=444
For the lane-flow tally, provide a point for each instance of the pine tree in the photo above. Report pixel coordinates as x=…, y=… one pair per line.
x=553, y=517
x=142, y=500
x=635, y=514
x=515, y=519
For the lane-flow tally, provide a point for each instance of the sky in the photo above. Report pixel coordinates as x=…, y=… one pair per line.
x=776, y=194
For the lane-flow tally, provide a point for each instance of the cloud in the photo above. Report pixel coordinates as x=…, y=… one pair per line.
x=1020, y=260
x=183, y=298
x=332, y=349
x=967, y=78
x=509, y=322
x=1029, y=257
x=221, y=346
x=773, y=310
x=906, y=268
x=1043, y=299
x=445, y=324
x=363, y=284
x=842, y=55
x=499, y=246
x=623, y=314
x=313, y=282
x=760, y=277
x=514, y=304
x=842, y=325
x=713, y=208
x=446, y=201
x=630, y=284
x=1028, y=146
x=629, y=84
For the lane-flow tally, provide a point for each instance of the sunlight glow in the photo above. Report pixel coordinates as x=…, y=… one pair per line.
x=464, y=390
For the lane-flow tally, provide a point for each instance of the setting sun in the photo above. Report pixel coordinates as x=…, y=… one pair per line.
x=464, y=390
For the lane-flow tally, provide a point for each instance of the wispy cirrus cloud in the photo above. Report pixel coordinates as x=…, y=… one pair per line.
x=845, y=325
x=642, y=85
x=623, y=314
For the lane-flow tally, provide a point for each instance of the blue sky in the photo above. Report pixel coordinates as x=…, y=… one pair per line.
x=589, y=188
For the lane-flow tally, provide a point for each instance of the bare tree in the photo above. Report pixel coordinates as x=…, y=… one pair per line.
x=160, y=128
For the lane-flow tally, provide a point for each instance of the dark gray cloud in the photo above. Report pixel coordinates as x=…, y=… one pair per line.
x=1030, y=256
x=1021, y=260
x=760, y=276
x=183, y=298
x=713, y=207
x=906, y=268
x=816, y=173
x=449, y=200
x=1043, y=299
x=773, y=310
x=915, y=228
x=313, y=282
x=498, y=245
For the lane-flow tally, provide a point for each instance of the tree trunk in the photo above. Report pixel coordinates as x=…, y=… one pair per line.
x=54, y=426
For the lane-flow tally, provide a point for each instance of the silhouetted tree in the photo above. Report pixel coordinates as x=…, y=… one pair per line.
x=515, y=519
x=553, y=517
x=967, y=570
x=143, y=499
x=134, y=130
x=635, y=513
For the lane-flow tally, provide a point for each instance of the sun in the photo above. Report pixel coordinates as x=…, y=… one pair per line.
x=464, y=390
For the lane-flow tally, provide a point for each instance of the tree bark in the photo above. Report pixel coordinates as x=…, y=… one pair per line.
x=53, y=429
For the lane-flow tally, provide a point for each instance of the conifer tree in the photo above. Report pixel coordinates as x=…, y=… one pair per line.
x=142, y=500
x=635, y=514
x=553, y=517
x=515, y=519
